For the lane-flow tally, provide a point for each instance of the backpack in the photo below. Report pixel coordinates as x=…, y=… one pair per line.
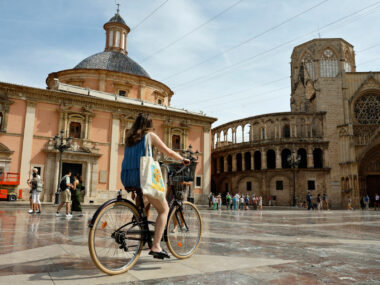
x=62, y=184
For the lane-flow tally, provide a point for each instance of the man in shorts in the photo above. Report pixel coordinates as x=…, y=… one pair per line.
x=65, y=195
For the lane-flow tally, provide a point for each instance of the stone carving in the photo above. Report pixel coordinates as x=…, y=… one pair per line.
x=367, y=109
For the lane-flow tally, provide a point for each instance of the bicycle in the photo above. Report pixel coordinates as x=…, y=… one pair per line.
x=119, y=229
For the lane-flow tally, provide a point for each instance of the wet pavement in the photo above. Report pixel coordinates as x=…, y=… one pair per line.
x=246, y=247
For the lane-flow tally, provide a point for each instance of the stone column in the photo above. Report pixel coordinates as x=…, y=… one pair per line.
x=263, y=159
x=88, y=179
x=112, y=175
x=243, y=161
x=225, y=164
x=310, y=160
x=206, y=163
x=278, y=158
x=27, y=143
x=234, y=162
x=252, y=160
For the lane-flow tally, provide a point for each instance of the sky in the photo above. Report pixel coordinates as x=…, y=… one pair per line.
x=229, y=59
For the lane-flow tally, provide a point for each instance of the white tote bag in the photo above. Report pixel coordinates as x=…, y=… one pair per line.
x=152, y=183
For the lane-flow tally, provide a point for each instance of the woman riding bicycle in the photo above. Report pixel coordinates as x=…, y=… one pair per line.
x=130, y=172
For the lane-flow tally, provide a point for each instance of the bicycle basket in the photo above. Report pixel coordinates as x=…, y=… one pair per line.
x=185, y=175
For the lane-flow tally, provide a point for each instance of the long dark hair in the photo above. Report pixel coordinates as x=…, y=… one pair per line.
x=139, y=128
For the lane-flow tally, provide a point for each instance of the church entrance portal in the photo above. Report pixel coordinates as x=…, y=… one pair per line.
x=373, y=187
x=76, y=168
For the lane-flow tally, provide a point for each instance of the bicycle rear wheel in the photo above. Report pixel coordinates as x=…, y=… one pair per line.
x=184, y=230
x=116, y=239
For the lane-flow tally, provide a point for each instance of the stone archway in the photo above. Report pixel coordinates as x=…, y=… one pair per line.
x=369, y=169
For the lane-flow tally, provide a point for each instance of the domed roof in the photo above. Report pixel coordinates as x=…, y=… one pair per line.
x=117, y=19
x=113, y=61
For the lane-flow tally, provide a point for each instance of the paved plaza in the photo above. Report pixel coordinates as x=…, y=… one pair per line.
x=246, y=247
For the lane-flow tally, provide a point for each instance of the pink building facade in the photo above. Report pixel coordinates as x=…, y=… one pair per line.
x=95, y=103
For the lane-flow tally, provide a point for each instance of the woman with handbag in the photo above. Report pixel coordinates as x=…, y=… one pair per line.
x=136, y=172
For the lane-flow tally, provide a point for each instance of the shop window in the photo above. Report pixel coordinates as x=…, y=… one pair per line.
x=176, y=142
x=122, y=93
x=279, y=185
x=249, y=186
x=75, y=130
x=310, y=185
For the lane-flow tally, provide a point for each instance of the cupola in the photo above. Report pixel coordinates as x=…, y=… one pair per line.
x=116, y=34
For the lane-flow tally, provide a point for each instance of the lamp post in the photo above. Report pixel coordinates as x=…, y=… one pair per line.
x=61, y=144
x=294, y=160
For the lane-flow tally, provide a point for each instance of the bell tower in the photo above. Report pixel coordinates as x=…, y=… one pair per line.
x=116, y=33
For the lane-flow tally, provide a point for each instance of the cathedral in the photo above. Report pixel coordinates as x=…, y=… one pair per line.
x=94, y=103
x=329, y=143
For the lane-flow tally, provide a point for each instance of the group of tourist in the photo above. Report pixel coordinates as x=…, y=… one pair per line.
x=321, y=203
x=236, y=202
x=70, y=193
x=365, y=201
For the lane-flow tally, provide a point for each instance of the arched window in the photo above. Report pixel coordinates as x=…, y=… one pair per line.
x=318, y=158
x=257, y=160
x=329, y=64
x=367, y=109
x=176, y=142
x=271, y=159
x=229, y=163
x=286, y=131
x=110, y=39
x=239, y=134
x=239, y=162
x=247, y=129
x=229, y=135
x=308, y=66
x=215, y=140
x=221, y=136
x=303, y=154
x=347, y=66
x=75, y=130
x=221, y=164
x=284, y=158
x=1, y=120
x=247, y=160
x=263, y=133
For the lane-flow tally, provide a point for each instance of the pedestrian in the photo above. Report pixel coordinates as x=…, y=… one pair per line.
x=65, y=195
x=319, y=202
x=234, y=201
x=325, y=205
x=213, y=199
x=269, y=200
x=241, y=202
x=246, y=202
x=219, y=202
x=366, y=202
x=228, y=201
x=76, y=195
x=210, y=204
x=36, y=189
x=237, y=200
x=377, y=202
x=260, y=201
x=309, y=199
x=362, y=205
x=349, y=202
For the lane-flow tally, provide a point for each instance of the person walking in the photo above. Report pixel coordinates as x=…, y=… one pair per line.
x=241, y=202
x=65, y=195
x=219, y=201
x=135, y=143
x=309, y=199
x=36, y=188
x=260, y=203
x=349, y=202
x=319, y=202
x=76, y=195
x=210, y=204
x=377, y=202
x=237, y=200
x=234, y=201
x=247, y=202
x=325, y=205
x=228, y=201
x=366, y=202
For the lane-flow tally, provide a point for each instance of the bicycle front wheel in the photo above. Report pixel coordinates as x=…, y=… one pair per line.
x=116, y=239
x=184, y=230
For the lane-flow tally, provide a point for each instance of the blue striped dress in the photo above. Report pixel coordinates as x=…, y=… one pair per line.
x=130, y=168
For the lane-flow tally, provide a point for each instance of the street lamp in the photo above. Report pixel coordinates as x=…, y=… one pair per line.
x=294, y=160
x=61, y=144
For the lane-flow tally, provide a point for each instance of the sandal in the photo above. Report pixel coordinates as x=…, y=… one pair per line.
x=160, y=255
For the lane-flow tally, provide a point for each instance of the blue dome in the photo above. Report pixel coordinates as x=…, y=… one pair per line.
x=113, y=61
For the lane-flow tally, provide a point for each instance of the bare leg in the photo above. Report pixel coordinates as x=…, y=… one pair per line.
x=163, y=209
x=67, y=208
x=60, y=207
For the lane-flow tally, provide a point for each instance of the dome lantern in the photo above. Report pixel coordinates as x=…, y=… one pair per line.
x=116, y=33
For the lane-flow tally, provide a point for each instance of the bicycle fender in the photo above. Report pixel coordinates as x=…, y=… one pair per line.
x=105, y=204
